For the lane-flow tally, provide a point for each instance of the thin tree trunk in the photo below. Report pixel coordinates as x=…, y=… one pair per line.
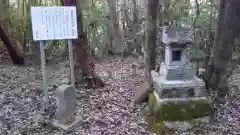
x=118, y=43
x=159, y=31
x=4, y=34
x=150, y=47
x=136, y=27
x=80, y=50
x=222, y=50
x=16, y=59
x=110, y=50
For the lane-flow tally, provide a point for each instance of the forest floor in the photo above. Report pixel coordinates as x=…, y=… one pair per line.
x=105, y=111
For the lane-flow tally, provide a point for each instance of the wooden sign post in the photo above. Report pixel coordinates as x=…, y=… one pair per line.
x=54, y=23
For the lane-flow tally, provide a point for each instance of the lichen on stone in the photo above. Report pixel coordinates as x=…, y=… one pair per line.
x=152, y=101
x=181, y=111
x=184, y=111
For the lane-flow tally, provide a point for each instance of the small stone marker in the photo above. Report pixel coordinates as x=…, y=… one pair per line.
x=141, y=62
x=134, y=69
x=66, y=102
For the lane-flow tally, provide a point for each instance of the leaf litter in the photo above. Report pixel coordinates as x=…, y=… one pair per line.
x=105, y=111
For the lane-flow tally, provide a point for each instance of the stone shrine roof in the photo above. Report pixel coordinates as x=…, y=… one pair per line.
x=179, y=35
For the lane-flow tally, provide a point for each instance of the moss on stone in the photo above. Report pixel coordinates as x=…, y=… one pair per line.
x=160, y=127
x=152, y=101
x=179, y=111
x=156, y=127
x=187, y=111
x=184, y=111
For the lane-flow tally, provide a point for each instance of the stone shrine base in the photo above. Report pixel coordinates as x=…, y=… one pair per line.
x=173, y=113
x=194, y=87
x=167, y=127
x=70, y=126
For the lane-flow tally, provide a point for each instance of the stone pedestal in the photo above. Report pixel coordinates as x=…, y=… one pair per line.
x=70, y=126
x=66, y=102
x=177, y=72
x=178, y=104
x=192, y=87
x=178, y=114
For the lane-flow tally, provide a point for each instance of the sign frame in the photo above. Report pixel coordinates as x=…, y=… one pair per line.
x=54, y=23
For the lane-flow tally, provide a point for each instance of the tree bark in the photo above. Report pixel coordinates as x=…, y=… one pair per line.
x=227, y=30
x=4, y=34
x=110, y=38
x=136, y=24
x=150, y=47
x=118, y=44
x=15, y=57
x=82, y=61
x=159, y=31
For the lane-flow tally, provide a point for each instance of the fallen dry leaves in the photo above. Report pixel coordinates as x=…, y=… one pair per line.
x=106, y=111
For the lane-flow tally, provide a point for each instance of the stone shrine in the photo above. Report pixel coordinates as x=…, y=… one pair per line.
x=179, y=95
x=66, y=102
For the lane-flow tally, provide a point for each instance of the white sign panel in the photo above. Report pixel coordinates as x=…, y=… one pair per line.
x=54, y=22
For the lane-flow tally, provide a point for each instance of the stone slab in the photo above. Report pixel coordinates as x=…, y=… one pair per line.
x=161, y=84
x=177, y=72
x=177, y=114
x=161, y=81
x=70, y=126
x=160, y=100
x=184, y=126
x=141, y=93
x=174, y=100
x=179, y=109
x=178, y=93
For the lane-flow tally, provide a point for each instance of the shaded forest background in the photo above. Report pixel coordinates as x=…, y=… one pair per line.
x=116, y=38
x=131, y=28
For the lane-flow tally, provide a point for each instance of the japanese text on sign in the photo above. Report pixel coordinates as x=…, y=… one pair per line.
x=54, y=22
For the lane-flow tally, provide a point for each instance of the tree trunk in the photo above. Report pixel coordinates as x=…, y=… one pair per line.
x=82, y=61
x=222, y=51
x=159, y=32
x=136, y=27
x=110, y=39
x=150, y=47
x=129, y=29
x=4, y=34
x=166, y=16
x=118, y=43
x=16, y=59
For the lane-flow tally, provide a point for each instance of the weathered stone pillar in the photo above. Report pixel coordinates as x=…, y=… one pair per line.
x=66, y=103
